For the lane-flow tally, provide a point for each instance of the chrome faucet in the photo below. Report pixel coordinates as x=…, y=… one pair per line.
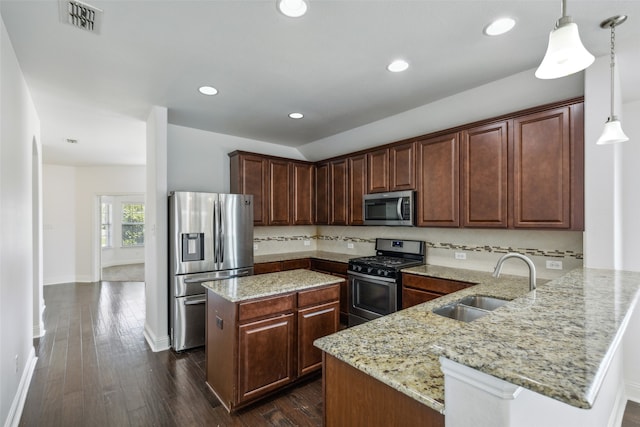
x=532, y=268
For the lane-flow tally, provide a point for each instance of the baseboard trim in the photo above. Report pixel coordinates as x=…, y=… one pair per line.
x=633, y=391
x=39, y=331
x=15, y=412
x=620, y=403
x=156, y=344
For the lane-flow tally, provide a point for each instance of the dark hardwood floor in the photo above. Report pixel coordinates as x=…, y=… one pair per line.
x=95, y=369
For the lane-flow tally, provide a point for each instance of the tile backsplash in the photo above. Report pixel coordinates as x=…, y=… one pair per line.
x=479, y=248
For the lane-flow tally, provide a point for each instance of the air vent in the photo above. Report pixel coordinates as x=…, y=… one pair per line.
x=80, y=15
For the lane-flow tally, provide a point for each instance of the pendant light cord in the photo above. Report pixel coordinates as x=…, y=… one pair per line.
x=613, y=65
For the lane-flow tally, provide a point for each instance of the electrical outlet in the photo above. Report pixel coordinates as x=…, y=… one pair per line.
x=461, y=255
x=255, y=246
x=349, y=245
x=307, y=242
x=554, y=265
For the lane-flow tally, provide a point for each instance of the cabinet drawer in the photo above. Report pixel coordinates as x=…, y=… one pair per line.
x=442, y=286
x=329, y=266
x=411, y=297
x=294, y=264
x=267, y=267
x=318, y=296
x=266, y=307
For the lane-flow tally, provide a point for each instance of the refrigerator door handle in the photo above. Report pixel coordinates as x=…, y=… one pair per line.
x=196, y=301
x=216, y=212
x=221, y=234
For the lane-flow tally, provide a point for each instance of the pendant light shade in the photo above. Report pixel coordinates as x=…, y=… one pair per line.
x=565, y=52
x=612, y=132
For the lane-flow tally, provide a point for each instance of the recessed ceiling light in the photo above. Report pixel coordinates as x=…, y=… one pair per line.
x=296, y=115
x=292, y=8
x=499, y=26
x=208, y=90
x=398, y=65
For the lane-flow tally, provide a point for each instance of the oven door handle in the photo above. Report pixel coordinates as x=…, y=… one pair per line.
x=371, y=278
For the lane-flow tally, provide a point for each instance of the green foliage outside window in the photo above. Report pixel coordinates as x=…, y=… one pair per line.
x=133, y=224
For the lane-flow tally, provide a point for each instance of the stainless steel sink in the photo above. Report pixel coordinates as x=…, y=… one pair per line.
x=484, y=302
x=470, y=307
x=460, y=312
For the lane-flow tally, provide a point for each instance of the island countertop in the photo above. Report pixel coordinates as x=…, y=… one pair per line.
x=263, y=285
x=556, y=340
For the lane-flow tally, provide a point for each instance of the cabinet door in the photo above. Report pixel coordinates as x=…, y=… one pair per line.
x=542, y=170
x=339, y=194
x=322, y=194
x=411, y=297
x=402, y=167
x=302, y=194
x=378, y=171
x=265, y=356
x=484, y=179
x=279, y=178
x=438, y=181
x=249, y=175
x=313, y=323
x=357, y=188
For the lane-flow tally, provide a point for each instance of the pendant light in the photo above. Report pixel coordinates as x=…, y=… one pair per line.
x=565, y=52
x=612, y=132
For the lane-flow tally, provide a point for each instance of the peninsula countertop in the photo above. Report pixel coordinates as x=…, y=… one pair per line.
x=556, y=340
x=263, y=285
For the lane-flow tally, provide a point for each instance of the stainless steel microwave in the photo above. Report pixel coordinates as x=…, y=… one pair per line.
x=395, y=208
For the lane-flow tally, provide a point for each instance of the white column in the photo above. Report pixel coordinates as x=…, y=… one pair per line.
x=156, y=230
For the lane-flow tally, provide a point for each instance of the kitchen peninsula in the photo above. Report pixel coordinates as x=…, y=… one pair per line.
x=260, y=331
x=550, y=351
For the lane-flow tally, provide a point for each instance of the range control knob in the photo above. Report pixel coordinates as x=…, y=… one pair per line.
x=381, y=272
x=369, y=269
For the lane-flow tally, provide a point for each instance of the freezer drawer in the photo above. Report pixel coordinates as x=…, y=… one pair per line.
x=188, y=322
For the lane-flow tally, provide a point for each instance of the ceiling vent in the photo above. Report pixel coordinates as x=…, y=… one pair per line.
x=80, y=15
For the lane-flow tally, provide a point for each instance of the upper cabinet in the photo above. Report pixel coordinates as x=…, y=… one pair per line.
x=438, y=181
x=484, y=156
x=282, y=189
x=522, y=170
x=392, y=169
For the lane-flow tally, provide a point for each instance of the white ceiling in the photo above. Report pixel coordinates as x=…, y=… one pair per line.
x=329, y=64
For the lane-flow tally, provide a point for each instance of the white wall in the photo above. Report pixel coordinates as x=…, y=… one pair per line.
x=612, y=201
x=19, y=126
x=71, y=216
x=198, y=160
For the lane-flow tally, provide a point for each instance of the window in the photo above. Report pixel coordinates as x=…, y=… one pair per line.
x=106, y=225
x=132, y=224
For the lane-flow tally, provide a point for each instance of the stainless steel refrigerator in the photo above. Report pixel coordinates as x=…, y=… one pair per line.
x=210, y=238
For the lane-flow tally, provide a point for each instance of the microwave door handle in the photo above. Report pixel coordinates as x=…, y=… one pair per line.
x=400, y=208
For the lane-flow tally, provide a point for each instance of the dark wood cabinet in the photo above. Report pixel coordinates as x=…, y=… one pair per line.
x=338, y=192
x=250, y=175
x=302, y=193
x=357, y=188
x=318, y=316
x=402, y=167
x=266, y=356
x=378, y=171
x=258, y=346
x=484, y=176
x=322, y=194
x=542, y=170
x=438, y=181
x=274, y=266
x=417, y=289
x=336, y=269
x=279, y=179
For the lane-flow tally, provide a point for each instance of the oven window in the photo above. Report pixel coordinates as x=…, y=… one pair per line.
x=373, y=297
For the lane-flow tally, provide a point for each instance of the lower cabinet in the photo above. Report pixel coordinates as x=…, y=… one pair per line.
x=256, y=347
x=274, y=266
x=336, y=269
x=417, y=289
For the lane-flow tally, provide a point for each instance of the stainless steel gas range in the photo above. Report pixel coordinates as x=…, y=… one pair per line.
x=375, y=287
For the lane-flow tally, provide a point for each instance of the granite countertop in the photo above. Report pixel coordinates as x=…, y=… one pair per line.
x=264, y=285
x=329, y=256
x=556, y=341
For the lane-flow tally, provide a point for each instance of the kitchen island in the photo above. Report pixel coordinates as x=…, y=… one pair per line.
x=260, y=331
x=558, y=342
